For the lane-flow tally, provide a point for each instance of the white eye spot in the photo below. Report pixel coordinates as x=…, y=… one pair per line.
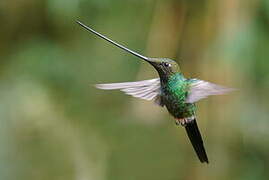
x=167, y=64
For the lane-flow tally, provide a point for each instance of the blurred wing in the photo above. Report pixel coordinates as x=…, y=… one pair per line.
x=200, y=89
x=147, y=89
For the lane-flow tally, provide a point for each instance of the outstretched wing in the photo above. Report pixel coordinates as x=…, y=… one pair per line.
x=147, y=89
x=200, y=89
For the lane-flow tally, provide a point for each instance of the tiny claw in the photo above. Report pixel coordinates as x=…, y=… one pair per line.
x=183, y=122
x=178, y=122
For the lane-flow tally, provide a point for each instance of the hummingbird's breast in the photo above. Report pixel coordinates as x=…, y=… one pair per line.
x=174, y=94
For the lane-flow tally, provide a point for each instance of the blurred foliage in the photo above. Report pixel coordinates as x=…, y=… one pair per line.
x=55, y=125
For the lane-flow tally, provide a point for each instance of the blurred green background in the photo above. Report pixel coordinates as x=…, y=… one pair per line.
x=56, y=126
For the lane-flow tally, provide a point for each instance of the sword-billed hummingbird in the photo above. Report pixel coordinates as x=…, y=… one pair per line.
x=172, y=90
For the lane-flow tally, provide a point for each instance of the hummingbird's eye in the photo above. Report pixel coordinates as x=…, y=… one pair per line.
x=167, y=64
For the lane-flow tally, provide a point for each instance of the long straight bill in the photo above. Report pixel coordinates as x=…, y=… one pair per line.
x=113, y=42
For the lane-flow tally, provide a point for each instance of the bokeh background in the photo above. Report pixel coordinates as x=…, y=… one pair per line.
x=54, y=125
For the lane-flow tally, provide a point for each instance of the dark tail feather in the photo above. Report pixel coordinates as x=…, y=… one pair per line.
x=196, y=140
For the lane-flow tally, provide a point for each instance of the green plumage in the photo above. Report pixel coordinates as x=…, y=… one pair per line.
x=174, y=94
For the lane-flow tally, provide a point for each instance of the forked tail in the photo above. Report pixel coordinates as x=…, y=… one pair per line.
x=196, y=140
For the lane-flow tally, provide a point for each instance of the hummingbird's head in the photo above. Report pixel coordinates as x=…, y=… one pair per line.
x=164, y=66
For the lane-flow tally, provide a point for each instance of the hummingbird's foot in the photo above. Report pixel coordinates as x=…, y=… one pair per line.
x=177, y=122
x=181, y=122
x=184, y=121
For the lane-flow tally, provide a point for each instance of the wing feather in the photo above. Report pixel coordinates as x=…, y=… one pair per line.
x=147, y=89
x=200, y=89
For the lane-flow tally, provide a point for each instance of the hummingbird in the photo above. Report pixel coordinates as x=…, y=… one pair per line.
x=171, y=90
